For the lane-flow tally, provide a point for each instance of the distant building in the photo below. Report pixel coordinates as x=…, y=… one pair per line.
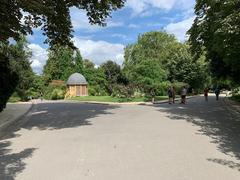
x=77, y=85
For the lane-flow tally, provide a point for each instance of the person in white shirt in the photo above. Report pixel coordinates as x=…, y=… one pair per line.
x=183, y=95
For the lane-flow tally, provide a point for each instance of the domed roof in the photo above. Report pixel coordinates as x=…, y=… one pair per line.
x=76, y=79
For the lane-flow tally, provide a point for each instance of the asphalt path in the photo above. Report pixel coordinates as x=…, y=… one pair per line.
x=79, y=141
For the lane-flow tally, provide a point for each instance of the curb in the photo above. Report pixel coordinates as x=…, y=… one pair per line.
x=126, y=103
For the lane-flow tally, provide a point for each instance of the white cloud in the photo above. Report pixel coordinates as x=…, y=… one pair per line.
x=97, y=51
x=39, y=57
x=80, y=21
x=100, y=51
x=179, y=29
x=141, y=6
x=133, y=26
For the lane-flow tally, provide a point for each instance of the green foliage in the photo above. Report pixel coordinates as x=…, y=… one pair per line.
x=123, y=91
x=96, y=90
x=236, y=94
x=16, y=72
x=178, y=86
x=8, y=77
x=54, y=92
x=20, y=63
x=183, y=68
x=61, y=63
x=157, y=59
x=53, y=15
x=113, y=75
x=217, y=29
x=95, y=78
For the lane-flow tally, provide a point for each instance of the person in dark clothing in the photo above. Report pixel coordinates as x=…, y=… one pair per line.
x=170, y=95
x=217, y=92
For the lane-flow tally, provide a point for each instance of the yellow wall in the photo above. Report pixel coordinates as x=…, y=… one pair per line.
x=72, y=90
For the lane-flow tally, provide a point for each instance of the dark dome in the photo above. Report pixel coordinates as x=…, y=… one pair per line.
x=76, y=79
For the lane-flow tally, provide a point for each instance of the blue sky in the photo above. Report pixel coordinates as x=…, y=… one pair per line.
x=137, y=17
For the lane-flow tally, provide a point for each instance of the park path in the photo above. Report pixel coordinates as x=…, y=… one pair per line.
x=76, y=141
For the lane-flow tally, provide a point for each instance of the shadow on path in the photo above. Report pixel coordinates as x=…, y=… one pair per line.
x=215, y=120
x=44, y=116
x=64, y=115
x=12, y=163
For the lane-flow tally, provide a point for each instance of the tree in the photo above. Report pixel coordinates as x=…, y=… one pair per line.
x=183, y=68
x=95, y=78
x=61, y=63
x=172, y=58
x=20, y=63
x=8, y=77
x=17, y=74
x=148, y=76
x=216, y=30
x=113, y=74
x=52, y=15
x=54, y=18
x=145, y=63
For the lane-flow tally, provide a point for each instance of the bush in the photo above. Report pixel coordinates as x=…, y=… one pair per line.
x=236, y=94
x=14, y=98
x=97, y=91
x=54, y=92
x=123, y=91
x=178, y=86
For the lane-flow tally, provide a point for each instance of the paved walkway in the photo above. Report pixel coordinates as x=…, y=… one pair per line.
x=11, y=113
x=72, y=141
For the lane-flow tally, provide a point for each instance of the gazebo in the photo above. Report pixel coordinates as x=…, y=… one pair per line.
x=77, y=85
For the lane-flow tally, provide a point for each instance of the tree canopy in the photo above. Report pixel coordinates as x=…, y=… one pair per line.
x=157, y=58
x=216, y=30
x=53, y=16
x=61, y=63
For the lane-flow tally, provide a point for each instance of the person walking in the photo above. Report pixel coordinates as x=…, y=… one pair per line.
x=170, y=95
x=183, y=95
x=173, y=94
x=217, y=92
x=41, y=96
x=206, y=94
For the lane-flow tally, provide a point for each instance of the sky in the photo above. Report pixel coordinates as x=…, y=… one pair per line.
x=100, y=44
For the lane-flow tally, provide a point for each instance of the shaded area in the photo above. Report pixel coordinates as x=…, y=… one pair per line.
x=12, y=163
x=224, y=162
x=215, y=120
x=64, y=115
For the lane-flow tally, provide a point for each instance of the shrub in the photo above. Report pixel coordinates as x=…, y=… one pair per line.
x=54, y=92
x=97, y=91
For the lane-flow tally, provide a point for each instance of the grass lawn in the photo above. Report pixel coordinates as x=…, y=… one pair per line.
x=115, y=99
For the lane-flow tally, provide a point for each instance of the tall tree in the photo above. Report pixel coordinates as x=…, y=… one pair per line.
x=54, y=18
x=20, y=63
x=216, y=30
x=61, y=63
x=113, y=74
x=95, y=78
x=146, y=61
x=52, y=15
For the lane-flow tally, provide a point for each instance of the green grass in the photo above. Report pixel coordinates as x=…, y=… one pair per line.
x=115, y=99
x=14, y=99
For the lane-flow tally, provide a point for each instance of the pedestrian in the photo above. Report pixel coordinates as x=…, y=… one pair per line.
x=170, y=95
x=41, y=96
x=206, y=94
x=183, y=95
x=173, y=94
x=217, y=92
